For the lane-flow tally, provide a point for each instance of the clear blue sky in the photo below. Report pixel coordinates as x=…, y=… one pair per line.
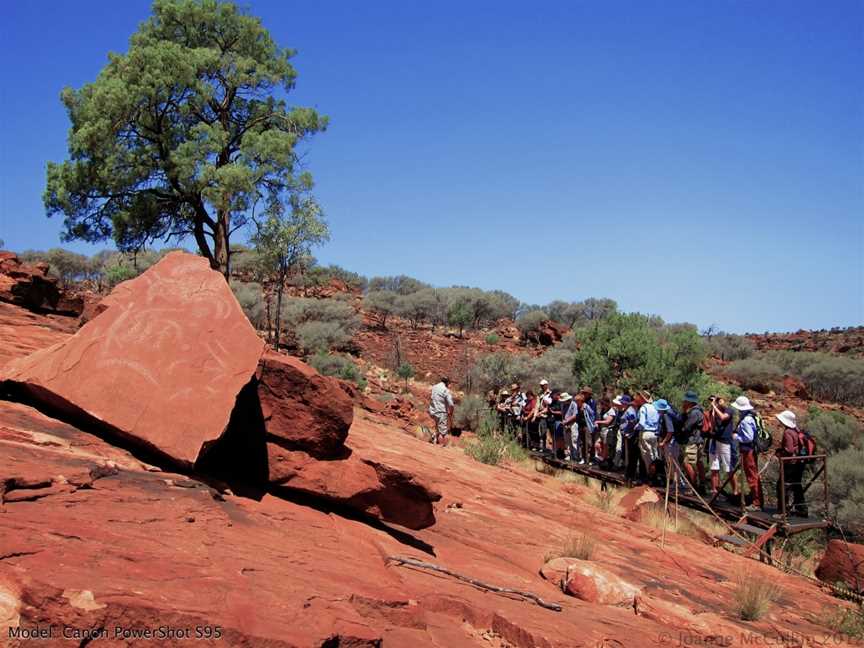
x=699, y=160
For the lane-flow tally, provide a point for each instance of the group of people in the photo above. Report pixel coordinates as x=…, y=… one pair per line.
x=647, y=438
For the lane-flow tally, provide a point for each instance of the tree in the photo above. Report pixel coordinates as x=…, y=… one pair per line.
x=405, y=372
x=282, y=238
x=380, y=304
x=460, y=314
x=182, y=134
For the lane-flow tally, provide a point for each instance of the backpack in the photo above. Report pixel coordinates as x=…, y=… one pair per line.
x=708, y=424
x=763, y=438
x=806, y=444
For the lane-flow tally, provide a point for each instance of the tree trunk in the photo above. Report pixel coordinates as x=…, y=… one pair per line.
x=280, y=287
x=221, y=249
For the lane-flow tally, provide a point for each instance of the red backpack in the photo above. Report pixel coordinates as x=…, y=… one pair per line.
x=806, y=444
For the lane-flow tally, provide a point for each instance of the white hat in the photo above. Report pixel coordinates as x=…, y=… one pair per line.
x=742, y=404
x=788, y=419
x=565, y=397
x=617, y=400
x=544, y=382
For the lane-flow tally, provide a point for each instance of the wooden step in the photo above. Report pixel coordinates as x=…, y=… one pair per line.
x=731, y=539
x=749, y=528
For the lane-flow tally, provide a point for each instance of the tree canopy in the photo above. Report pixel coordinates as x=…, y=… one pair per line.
x=184, y=134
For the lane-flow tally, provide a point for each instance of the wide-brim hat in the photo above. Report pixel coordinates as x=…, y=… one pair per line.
x=647, y=396
x=505, y=393
x=565, y=397
x=661, y=405
x=544, y=382
x=742, y=404
x=617, y=400
x=691, y=397
x=788, y=418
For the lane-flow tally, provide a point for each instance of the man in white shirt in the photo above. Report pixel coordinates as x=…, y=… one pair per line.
x=441, y=410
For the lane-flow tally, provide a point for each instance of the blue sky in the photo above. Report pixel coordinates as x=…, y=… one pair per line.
x=699, y=160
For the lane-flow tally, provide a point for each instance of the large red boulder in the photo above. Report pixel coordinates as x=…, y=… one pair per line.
x=843, y=563
x=160, y=367
x=302, y=409
x=548, y=333
x=33, y=288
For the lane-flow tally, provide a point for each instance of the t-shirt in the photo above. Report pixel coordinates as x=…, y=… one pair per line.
x=628, y=421
x=649, y=418
x=441, y=400
x=723, y=429
x=572, y=411
x=556, y=408
x=613, y=413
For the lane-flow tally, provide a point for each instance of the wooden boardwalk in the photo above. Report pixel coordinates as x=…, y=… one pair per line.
x=787, y=526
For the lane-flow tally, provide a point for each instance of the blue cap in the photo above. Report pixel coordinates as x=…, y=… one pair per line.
x=626, y=400
x=661, y=405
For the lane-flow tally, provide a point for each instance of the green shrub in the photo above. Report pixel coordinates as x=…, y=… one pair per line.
x=830, y=377
x=469, y=413
x=846, y=477
x=405, y=371
x=338, y=366
x=418, y=307
x=757, y=373
x=754, y=596
x=380, y=304
x=491, y=447
x=320, y=337
x=847, y=624
x=833, y=431
x=492, y=338
x=320, y=324
x=531, y=321
x=401, y=284
x=729, y=347
x=251, y=299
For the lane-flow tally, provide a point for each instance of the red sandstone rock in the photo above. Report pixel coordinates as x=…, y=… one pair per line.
x=843, y=563
x=302, y=409
x=161, y=366
x=590, y=582
x=635, y=497
x=30, y=286
x=793, y=386
x=547, y=334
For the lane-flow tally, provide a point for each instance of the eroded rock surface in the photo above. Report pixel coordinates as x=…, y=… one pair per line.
x=161, y=366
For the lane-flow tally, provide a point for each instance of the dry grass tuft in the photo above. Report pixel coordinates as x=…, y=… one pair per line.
x=581, y=546
x=754, y=596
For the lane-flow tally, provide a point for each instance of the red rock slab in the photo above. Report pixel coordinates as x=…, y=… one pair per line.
x=22, y=331
x=302, y=409
x=162, y=365
x=843, y=562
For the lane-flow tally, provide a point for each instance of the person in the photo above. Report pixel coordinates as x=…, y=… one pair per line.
x=571, y=427
x=667, y=424
x=441, y=410
x=544, y=399
x=646, y=427
x=793, y=445
x=603, y=425
x=629, y=437
x=690, y=441
x=746, y=434
x=588, y=393
x=517, y=404
x=587, y=431
x=503, y=410
x=720, y=444
x=530, y=420
x=554, y=416
x=614, y=440
x=562, y=403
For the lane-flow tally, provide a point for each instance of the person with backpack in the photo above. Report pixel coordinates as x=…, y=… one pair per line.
x=666, y=428
x=646, y=426
x=689, y=438
x=720, y=445
x=748, y=434
x=629, y=438
x=796, y=443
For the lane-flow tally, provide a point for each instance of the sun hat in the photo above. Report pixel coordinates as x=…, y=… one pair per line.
x=691, y=397
x=504, y=392
x=788, y=418
x=544, y=382
x=617, y=400
x=564, y=397
x=661, y=405
x=647, y=396
x=742, y=404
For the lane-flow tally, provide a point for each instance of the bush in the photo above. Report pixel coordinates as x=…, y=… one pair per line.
x=531, y=321
x=401, y=284
x=836, y=378
x=635, y=351
x=405, y=371
x=754, y=596
x=833, y=431
x=338, y=366
x=846, y=477
x=459, y=314
x=469, y=413
x=755, y=373
x=492, y=338
x=418, y=307
x=380, y=304
x=729, y=347
x=320, y=337
x=251, y=298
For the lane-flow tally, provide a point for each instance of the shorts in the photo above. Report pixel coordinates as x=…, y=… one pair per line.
x=721, y=456
x=442, y=424
x=648, y=447
x=692, y=453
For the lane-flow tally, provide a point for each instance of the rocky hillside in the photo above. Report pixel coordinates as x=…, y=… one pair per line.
x=166, y=481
